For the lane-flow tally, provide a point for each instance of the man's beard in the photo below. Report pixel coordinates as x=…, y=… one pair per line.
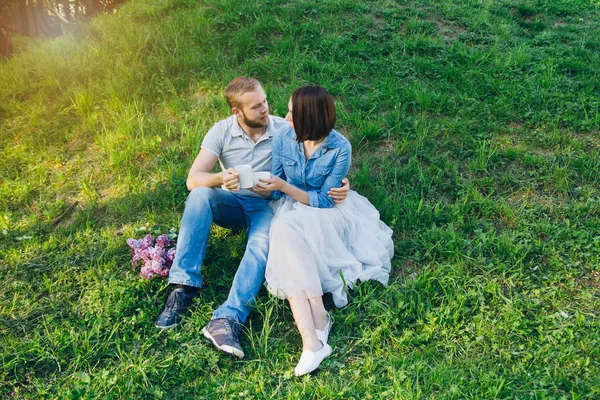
x=254, y=123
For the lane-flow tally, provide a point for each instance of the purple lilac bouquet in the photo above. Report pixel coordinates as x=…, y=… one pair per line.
x=156, y=256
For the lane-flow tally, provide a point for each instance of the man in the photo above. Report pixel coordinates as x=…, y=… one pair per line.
x=243, y=138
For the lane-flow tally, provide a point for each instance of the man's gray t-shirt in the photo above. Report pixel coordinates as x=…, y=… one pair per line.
x=229, y=142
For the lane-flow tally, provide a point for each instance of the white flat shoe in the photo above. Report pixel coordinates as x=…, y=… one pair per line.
x=310, y=360
x=323, y=335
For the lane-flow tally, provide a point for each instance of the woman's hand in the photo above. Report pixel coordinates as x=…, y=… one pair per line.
x=273, y=183
x=339, y=194
x=258, y=190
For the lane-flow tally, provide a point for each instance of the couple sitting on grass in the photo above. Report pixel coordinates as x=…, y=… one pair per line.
x=307, y=233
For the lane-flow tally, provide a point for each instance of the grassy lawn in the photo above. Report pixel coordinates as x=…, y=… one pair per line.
x=476, y=133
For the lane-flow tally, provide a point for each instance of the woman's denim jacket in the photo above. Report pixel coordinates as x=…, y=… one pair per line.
x=324, y=170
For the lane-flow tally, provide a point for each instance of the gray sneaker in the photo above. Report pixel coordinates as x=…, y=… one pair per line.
x=224, y=334
x=176, y=306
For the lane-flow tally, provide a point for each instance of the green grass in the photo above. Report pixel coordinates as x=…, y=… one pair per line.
x=475, y=127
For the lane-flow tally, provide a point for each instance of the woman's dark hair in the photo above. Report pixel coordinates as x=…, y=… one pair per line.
x=313, y=113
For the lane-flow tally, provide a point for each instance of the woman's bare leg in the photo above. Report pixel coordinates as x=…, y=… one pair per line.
x=301, y=308
x=319, y=314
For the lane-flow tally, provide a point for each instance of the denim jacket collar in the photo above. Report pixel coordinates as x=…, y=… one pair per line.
x=330, y=142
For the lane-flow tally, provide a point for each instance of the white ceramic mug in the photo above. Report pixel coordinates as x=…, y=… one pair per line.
x=244, y=175
x=260, y=175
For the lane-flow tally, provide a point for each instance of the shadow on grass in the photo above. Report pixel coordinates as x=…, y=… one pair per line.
x=76, y=303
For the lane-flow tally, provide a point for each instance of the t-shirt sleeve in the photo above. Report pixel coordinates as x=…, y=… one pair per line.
x=213, y=140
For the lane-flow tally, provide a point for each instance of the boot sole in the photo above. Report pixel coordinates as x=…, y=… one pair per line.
x=162, y=327
x=224, y=348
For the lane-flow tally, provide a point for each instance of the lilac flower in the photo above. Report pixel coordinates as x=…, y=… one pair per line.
x=146, y=272
x=157, y=265
x=171, y=254
x=164, y=272
x=157, y=253
x=163, y=241
x=135, y=259
x=148, y=241
x=156, y=257
x=134, y=243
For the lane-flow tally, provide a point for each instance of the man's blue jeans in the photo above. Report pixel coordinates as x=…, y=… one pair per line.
x=229, y=210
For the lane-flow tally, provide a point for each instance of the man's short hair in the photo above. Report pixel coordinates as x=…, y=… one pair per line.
x=313, y=113
x=239, y=86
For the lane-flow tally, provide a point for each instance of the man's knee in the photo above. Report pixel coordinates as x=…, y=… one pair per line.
x=258, y=241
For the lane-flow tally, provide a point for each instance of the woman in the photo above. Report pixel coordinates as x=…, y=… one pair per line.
x=315, y=245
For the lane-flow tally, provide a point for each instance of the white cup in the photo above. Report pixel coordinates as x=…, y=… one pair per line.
x=260, y=175
x=244, y=175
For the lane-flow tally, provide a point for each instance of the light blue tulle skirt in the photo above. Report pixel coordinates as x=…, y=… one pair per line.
x=326, y=250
